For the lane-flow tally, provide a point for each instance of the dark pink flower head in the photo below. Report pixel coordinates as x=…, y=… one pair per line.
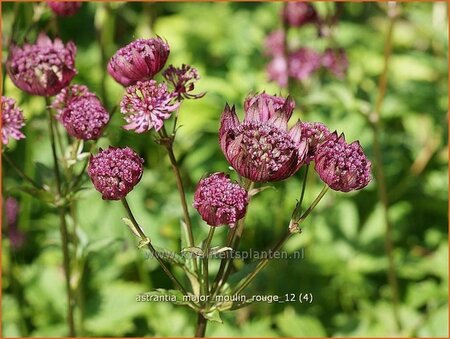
x=43, y=68
x=262, y=148
x=183, y=80
x=115, y=171
x=81, y=112
x=297, y=14
x=335, y=60
x=140, y=60
x=344, y=167
x=303, y=62
x=146, y=105
x=314, y=133
x=12, y=120
x=219, y=200
x=64, y=8
x=274, y=44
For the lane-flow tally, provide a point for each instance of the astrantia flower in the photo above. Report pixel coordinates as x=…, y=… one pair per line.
x=219, y=200
x=303, y=62
x=274, y=44
x=297, y=14
x=299, y=66
x=335, y=60
x=139, y=60
x=314, y=133
x=43, y=68
x=81, y=112
x=64, y=8
x=183, y=79
x=261, y=148
x=12, y=120
x=146, y=105
x=277, y=70
x=115, y=171
x=344, y=167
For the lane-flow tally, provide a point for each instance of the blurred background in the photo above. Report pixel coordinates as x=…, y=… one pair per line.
x=345, y=240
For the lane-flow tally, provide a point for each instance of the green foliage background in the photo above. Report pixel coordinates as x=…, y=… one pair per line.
x=345, y=262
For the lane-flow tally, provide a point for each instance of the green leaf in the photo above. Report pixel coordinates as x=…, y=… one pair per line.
x=294, y=325
x=213, y=316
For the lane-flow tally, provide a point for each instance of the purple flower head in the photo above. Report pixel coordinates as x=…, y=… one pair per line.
x=344, y=167
x=146, y=105
x=262, y=148
x=139, y=60
x=219, y=200
x=297, y=14
x=43, y=68
x=335, y=60
x=64, y=8
x=303, y=62
x=12, y=120
x=274, y=44
x=277, y=70
x=314, y=133
x=81, y=112
x=115, y=171
x=183, y=79
x=299, y=66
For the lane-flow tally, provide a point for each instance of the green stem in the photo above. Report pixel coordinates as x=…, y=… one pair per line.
x=145, y=239
x=233, y=241
x=176, y=170
x=63, y=229
x=201, y=326
x=206, y=247
x=263, y=262
x=314, y=203
x=22, y=174
x=380, y=175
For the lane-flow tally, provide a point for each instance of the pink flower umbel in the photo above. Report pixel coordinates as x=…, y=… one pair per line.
x=12, y=120
x=303, y=62
x=146, y=105
x=43, y=68
x=335, y=60
x=183, y=79
x=81, y=112
x=140, y=60
x=64, y=8
x=262, y=148
x=314, y=133
x=297, y=14
x=274, y=44
x=220, y=201
x=344, y=167
x=277, y=70
x=115, y=171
